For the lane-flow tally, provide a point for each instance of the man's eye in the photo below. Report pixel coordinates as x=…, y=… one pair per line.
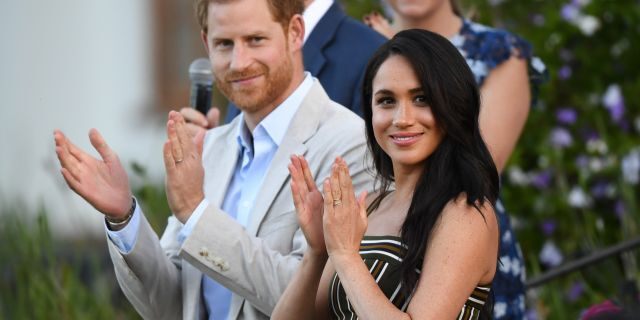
x=257, y=40
x=224, y=44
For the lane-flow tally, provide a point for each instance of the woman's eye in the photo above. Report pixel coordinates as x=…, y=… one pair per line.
x=421, y=100
x=385, y=101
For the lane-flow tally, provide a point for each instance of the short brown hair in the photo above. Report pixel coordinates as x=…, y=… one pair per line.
x=281, y=10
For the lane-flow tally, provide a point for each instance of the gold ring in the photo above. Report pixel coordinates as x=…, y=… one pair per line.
x=337, y=202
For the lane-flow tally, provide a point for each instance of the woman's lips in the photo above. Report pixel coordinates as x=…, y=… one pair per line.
x=404, y=139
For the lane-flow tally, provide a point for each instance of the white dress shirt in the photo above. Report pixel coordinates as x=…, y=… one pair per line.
x=312, y=15
x=255, y=154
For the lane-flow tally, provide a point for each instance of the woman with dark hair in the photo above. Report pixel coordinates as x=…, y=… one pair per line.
x=426, y=245
x=506, y=72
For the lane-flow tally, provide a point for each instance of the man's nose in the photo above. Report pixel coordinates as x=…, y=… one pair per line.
x=240, y=58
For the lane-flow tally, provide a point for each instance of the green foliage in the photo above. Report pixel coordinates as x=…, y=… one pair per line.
x=47, y=278
x=358, y=8
x=43, y=277
x=572, y=183
x=152, y=197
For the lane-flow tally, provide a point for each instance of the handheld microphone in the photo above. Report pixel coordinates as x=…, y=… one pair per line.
x=201, y=84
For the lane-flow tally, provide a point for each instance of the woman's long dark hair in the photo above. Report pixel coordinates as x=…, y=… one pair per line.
x=460, y=164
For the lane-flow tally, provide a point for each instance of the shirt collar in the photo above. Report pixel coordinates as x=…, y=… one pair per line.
x=275, y=124
x=312, y=15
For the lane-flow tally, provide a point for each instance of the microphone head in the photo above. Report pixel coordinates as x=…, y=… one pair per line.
x=200, y=71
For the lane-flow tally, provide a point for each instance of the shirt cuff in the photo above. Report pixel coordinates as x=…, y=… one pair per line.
x=192, y=221
x=125, y=238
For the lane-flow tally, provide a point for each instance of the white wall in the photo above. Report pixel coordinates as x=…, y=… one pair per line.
x=73, y=65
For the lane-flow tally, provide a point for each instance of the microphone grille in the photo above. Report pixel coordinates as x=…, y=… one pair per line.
x=200, y=71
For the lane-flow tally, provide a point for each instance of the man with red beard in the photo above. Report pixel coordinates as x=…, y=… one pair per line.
x=233, y=241
x=336, y=49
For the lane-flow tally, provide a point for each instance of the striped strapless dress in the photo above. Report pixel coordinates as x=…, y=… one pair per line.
x=382, y=255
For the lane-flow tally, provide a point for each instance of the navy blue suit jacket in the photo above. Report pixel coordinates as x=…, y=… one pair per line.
x=337, y=53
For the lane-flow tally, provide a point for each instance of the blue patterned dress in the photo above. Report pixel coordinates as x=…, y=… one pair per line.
x=485, y=48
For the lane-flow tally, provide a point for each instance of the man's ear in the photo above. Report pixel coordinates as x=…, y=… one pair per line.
x=205, y=40
x=296, y=32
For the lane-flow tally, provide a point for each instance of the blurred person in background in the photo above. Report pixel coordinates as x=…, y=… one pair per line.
x=504, y=68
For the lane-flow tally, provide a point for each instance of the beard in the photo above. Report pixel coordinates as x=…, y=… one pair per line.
x=253, y=98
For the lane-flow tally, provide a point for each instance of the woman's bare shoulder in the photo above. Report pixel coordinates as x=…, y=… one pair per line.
x=460, y=213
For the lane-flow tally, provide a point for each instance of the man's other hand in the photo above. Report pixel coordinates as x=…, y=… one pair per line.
x=103, y=183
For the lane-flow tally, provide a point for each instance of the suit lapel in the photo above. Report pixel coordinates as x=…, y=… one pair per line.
x=219, y=158
x=273, y=182
x=220, y=166
x=320, y=37
x=302, y=127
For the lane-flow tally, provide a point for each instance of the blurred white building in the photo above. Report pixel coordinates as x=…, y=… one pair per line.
x=73, y=65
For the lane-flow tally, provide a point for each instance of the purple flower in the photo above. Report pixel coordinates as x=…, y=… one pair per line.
x=566, y=115
x=565, y=72
x=542, y=179
x=614, y=102
x=590, y=135
x=531, y=314
x=548, y=226
x=600, y=189
x=576, y=290
x=570, y=12
x=550, y=255
x=561, y=138
x=582, y=161
x=631, y=167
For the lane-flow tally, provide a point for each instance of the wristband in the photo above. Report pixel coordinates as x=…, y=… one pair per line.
x=121, y=222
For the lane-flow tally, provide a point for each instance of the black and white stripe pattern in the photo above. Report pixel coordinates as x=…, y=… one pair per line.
x=382, y=256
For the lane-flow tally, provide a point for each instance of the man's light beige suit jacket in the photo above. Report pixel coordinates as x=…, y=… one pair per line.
x=162, y=279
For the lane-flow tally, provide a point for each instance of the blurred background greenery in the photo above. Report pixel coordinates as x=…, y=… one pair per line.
x=571, y=185
x=47, y=277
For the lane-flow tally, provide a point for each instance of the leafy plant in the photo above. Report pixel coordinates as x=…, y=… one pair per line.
x=42, y=277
